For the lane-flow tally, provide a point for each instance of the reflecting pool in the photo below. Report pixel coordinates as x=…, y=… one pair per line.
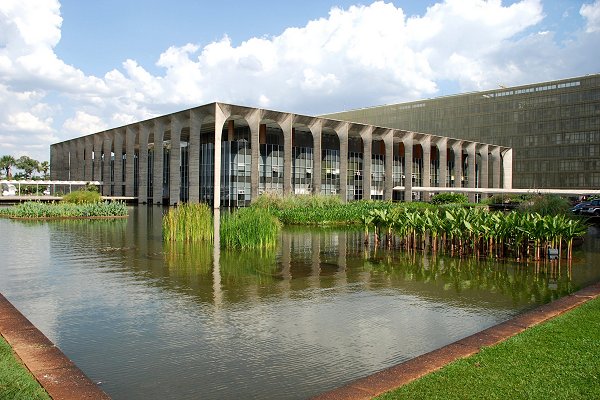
x=152, y=321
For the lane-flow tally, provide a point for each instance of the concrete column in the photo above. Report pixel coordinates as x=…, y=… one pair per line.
x=457, y=148
x=157, y=172
x=98, y=140
x=507, y=160
x=316, y=128
x=471, y=163
x=496, y=167
x=118, y=164
x=130, y=135
x=230, y=130
x=442, y=146
x=220, y=118
x=388, y=140
x=106, y=170
x=483, y=168
x=408, y=165
x=89, y=161
x=367, y=138
x=143, y=133
x=342, y=132
x=286, y=127
x=194, y=155
x=175, y=160
x=426, y=146
x=253, y=120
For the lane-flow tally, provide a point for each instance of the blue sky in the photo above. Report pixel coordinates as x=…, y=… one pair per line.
x=72, y=67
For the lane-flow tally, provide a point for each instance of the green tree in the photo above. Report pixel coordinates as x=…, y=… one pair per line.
x=6, y=163
x=28, y=165
x=44, y=168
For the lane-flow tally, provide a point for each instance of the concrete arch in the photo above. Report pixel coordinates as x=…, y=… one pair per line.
x=332, y=158
x=358, y=146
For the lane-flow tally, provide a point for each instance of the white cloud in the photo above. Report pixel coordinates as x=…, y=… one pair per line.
x=360, y=56
x=591, y=12
x=84, y=124
x=25, y=121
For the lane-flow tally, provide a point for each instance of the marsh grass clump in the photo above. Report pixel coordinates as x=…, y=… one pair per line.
x=188, y=222
x=317, y=209
x=37, y=210
x=550, y=204
x=249, y=228
x=88, y=194
x=449, y=198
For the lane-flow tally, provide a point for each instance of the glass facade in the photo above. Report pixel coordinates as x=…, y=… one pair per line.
x=553, y=127
x=302, y=170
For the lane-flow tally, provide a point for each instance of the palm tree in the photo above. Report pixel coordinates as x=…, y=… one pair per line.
x=44, y=168
x=28, y=165
x=6, y=163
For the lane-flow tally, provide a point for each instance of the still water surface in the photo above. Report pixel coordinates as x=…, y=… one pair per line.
x=155, y=322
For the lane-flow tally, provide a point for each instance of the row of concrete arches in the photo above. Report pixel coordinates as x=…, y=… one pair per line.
x=288, y=149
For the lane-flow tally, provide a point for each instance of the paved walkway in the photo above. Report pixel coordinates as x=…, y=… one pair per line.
x=56, y=373
x=401, y=374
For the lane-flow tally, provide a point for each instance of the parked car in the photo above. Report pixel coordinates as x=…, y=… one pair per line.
x=8, y=189
x=593, y=208
x=577, y=208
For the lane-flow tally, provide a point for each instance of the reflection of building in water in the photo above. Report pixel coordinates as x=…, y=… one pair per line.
x=233, y=153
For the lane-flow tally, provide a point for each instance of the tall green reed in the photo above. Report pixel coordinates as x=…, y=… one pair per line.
x=188, y=222
x=249, y=228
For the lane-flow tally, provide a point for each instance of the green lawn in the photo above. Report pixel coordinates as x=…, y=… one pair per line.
x=16, y=383
x=559, y=359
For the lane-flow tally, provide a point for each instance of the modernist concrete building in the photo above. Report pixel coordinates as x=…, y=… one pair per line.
x=553, y=127
x=233, y=153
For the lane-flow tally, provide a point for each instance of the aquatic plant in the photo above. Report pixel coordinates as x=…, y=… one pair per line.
x=33, y=210
x=188, y=222
x=464, y=231
x=249, y=228
x=324, y=210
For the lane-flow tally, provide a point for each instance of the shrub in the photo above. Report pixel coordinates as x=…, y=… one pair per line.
x=550, y=204
x=82, y=196
x=448, y=198
x=34, y=210
x=507, y=199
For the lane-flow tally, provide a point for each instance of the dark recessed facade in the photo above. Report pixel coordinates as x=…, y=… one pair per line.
x=552, y=127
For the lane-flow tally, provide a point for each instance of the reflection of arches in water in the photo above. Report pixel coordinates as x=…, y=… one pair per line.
x=310, y=259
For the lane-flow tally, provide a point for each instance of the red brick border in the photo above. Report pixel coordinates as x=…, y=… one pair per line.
x=401, y=374
x=54, y=371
